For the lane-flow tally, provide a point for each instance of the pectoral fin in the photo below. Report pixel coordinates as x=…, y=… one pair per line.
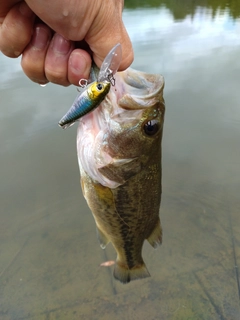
x=155, y=238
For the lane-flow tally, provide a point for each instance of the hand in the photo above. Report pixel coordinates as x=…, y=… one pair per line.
x=57, y=48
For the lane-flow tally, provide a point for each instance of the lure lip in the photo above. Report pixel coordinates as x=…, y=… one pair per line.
x=111, y=63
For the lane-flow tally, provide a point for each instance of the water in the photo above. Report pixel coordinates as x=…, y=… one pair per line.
x=49, y=254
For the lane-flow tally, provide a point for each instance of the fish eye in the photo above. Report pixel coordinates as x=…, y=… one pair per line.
x=99, y=86
x=151, y=127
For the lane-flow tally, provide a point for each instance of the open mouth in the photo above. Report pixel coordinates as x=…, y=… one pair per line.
x=136, y=90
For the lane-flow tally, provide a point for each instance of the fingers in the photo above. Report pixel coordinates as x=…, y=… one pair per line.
x=79, y=65
x=63, y=64
x=48, y=59
x=5, y=6
x=100, y=25
x=56, y=61
x=16, y=30
x=33, y=57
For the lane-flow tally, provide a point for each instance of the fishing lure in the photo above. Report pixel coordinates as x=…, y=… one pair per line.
x=95, y=92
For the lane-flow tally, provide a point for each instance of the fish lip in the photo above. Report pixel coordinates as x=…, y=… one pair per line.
x=140, y=84
x=135, y=90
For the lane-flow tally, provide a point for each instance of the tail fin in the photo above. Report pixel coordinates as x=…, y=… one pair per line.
x=125, y=275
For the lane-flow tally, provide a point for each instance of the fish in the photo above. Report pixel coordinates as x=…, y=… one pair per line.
x=119, y=156
x=95, y=92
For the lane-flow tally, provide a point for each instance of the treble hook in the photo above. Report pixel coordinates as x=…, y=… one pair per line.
x=111, y=79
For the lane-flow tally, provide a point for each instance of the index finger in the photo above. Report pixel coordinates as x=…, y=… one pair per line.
x=16, y=29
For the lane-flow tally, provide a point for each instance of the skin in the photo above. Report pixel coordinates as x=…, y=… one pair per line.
x=57, y=38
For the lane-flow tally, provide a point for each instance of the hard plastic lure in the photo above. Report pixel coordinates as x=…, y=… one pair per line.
x=96, y=91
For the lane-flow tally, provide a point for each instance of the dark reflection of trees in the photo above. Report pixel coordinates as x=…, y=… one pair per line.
x=181, y=8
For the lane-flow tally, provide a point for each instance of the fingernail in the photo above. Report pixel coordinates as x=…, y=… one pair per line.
x=25, y=10
x=40, y=38
x=78, y=63
x=60, y=44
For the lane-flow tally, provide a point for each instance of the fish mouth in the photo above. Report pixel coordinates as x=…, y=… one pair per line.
x=133, y=92
x=132, y=86
x=137, y=90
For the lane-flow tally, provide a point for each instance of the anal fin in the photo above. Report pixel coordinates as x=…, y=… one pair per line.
x=155, y=238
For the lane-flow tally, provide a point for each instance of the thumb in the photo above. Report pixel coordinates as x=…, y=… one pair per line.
x=106, y=31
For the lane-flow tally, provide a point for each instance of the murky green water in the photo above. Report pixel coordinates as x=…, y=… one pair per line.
x=49, y=254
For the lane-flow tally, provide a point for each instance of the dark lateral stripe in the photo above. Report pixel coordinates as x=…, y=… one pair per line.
x=128, y=245
x=125, y=217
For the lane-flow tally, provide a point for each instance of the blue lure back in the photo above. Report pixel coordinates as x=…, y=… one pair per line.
x=93, y=94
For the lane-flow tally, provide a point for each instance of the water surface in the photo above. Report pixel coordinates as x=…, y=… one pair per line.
x=49, y=254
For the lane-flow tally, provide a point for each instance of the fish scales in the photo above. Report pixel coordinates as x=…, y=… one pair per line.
x=119, y=154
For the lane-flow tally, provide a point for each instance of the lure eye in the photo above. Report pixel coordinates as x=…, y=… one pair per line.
x=99, y=87
x=151, y=127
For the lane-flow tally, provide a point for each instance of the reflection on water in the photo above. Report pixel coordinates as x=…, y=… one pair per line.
x=48, y=247
x=180, y=9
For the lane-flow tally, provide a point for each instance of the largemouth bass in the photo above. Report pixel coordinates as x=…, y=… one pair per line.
x=119, y=155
